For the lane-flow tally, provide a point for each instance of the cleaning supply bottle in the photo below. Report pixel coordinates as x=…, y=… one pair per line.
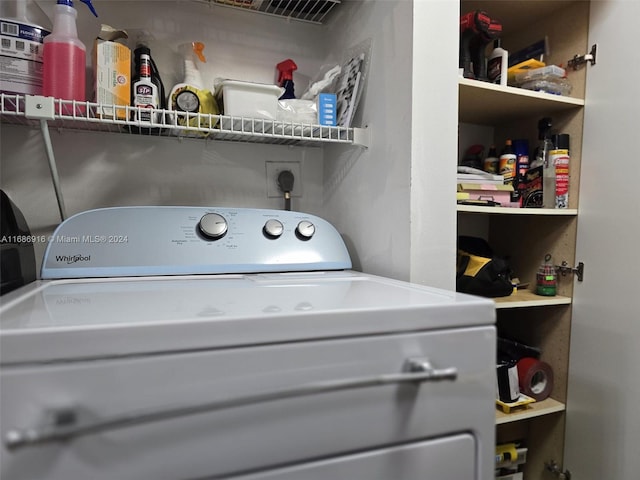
x=65, y=55
x=285, y=78
x=508, y=163
x=560, y=159
x=497, y=64
x=548, y=170
x=190, y=96
x=147, y=88
x=24, y=27
x=546, y=278
x=492, y=162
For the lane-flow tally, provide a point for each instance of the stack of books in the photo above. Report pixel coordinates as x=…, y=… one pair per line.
x=476, y=187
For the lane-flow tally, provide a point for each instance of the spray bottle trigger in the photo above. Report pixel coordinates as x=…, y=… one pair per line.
x=90, y=5
x=198, y=48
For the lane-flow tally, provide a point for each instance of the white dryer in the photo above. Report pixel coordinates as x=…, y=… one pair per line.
x=192, y=343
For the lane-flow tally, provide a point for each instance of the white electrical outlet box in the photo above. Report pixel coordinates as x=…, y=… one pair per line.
x=273, y=169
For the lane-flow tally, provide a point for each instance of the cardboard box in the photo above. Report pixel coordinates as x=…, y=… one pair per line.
x=327, y=109
x=492, y=192
x=531, y=188
x=112, y=73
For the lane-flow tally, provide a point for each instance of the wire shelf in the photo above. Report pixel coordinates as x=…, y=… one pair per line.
x=89, y=116
x=311, y=11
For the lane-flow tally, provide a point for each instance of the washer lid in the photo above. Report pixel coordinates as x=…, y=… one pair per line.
x=77, y=319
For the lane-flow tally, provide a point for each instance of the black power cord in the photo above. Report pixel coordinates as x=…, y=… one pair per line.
x=285, y=182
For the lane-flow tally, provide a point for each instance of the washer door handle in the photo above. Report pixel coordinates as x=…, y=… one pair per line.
x=63, y=424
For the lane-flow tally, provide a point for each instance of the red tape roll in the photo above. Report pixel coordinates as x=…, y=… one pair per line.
x=535, y=378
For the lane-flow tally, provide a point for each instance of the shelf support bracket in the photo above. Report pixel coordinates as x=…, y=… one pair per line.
x=565, y=269
x=361, y=137
x=42, y=108
x=579, y=60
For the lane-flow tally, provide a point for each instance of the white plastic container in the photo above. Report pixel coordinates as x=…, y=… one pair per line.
x=543, y=73
x=251, y=100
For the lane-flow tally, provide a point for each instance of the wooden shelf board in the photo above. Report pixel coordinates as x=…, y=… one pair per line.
x=489, y=104
x=518, y=211
x=536, y=409
x=526, y=298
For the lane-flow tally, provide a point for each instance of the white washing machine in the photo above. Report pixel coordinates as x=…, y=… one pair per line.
x=209, y=343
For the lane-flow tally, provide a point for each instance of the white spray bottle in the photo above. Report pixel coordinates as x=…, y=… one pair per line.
x=190, y=96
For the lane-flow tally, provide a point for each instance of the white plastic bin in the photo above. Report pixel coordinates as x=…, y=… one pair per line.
x=246, y=99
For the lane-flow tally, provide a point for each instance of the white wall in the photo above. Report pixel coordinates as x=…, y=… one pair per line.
x=108, y=169
x=434, y=139
x=366, y=193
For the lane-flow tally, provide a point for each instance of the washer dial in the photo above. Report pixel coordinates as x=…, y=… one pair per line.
x=273, y=228
x=213, y=226
x=305, y=230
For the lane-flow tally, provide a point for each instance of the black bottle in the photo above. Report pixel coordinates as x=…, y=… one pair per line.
x=147, y=89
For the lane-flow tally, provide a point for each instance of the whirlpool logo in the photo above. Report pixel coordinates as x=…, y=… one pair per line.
x=69, y=259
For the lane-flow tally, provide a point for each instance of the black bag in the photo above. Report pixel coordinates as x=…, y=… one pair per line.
x=479, y=271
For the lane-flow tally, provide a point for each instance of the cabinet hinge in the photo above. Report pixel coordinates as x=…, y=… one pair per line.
x=579, y=60
x=564, y=269
x=553, y=467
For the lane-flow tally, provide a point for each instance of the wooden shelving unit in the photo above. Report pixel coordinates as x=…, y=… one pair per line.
x=526, y=298
x=554, y=212
x=522, y=235
x=532, y=410
x=482, y=102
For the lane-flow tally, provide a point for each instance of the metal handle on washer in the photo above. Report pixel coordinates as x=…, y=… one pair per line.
x=65, y=427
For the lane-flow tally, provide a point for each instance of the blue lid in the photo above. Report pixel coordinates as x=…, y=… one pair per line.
x=69, y=3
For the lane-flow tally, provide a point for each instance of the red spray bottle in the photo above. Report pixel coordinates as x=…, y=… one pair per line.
x=285, y=77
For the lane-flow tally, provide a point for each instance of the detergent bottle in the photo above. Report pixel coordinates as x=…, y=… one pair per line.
x=24, y=27
x=190, y=96
x=65, y=55
x=285, y=78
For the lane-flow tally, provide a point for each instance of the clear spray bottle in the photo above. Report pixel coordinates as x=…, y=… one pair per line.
x=543, y=157
x=65, y=55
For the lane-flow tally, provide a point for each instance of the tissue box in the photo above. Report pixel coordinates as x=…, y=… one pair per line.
x=246, y=99
x=112, y=72
x=327, y=109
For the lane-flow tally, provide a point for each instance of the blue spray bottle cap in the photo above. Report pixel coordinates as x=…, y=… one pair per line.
x=88, y=3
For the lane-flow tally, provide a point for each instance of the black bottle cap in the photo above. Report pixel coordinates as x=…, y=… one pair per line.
x=544, y=125
x=561, y=141
x=142, y=49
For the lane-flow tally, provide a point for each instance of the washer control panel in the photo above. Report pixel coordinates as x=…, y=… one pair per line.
x=141, y=241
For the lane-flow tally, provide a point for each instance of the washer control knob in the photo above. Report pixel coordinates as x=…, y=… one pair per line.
x=305, y=230
x=213, y=226
x=273, y=228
